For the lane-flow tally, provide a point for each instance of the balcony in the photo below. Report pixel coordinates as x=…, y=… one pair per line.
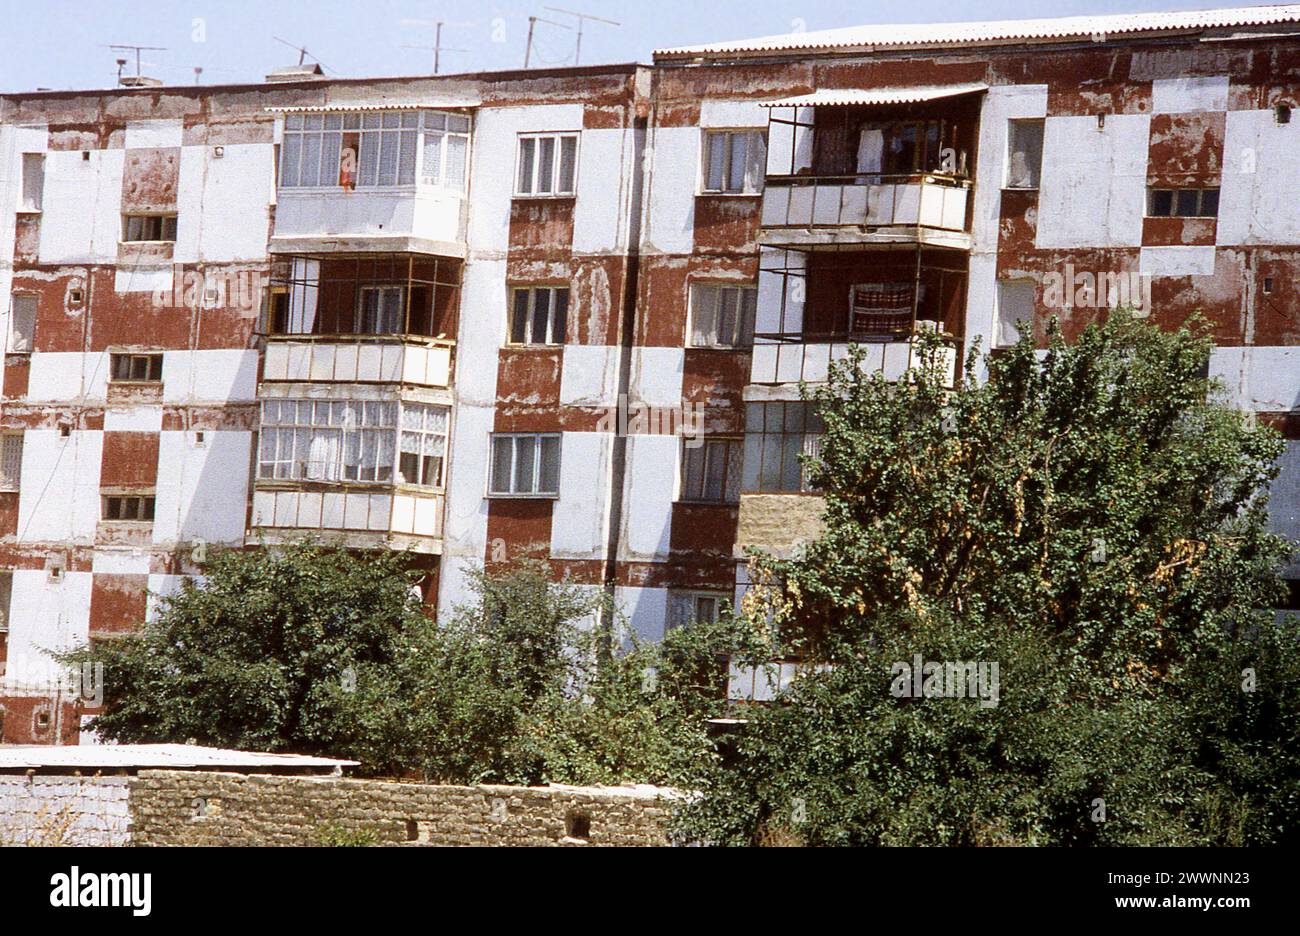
x=385, y=318
x=871, y=166
x=870, y=208
x=814, y=302
x=353, y=517
x=384, y=180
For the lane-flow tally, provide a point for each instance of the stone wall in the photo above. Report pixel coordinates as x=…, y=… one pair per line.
x=200, y=808
x=60, y=810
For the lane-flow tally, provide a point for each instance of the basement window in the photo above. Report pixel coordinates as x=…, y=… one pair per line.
x=1183, y=203
x=149, y=228
x=525, y=465
x=11, y=460
x=548, y=164
x=711, y=471
x=128, y=507
x=722, y=316
x=22, y=323
x=539, y=315
x=735, y=161
x=136, y=368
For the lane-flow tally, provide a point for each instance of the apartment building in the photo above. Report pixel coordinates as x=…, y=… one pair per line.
x=566, y=313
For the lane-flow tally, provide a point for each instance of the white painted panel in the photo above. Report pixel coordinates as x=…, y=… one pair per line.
x=1261, y=162
x=332, y=505
x=1001, y=103
x=646, y=610
x=345, y=362
x=223, y=204
x=263, y=508
x=215, y=375
x=380, y=505
x=370, y=363
x=672, y=185
x=68, y=375
x=578, y=519
x=119, y=561
x=657, y=376
x=153, y=134
x=1191, y=93
x=648, y=504
x=160, y=588
x=1259, y=379
x=309, y=509
x=133, y=419
x=1177, y=261
x=428, y=516
x=322, y=362
x=589, y=375
x=1093, y=190
x=59, y=496
x=45, y=616
x=762, y=368
x=143, y=280
x=202, y=490
x=604, y=175
x=403, y=514
x=739, y=114
x=81, y=213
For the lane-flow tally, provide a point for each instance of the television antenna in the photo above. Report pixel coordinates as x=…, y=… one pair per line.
x=302, y=53
x=137, y=49
x=581, y=18
x=532, y=24
x=437, y=48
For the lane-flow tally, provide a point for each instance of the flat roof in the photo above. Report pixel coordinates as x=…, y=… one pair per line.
x=20, y=758
x=920, y=35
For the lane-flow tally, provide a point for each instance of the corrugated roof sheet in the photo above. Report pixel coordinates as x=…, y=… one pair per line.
x=831, y=97
x=151, y=756
x=344, y=108
x=941, y=34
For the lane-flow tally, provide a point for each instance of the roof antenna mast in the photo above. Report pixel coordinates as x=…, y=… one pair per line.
x=581, y=18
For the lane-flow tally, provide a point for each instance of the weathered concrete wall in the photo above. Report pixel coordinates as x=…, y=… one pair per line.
x=192, y=808
x=64, y=810
x=778, y=522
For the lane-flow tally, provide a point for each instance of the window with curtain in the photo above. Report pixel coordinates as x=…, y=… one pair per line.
x=735, y=161
x=722, y=316
x=422, y=448
x=327, y=440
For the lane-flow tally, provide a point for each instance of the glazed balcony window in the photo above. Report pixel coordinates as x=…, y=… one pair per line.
x=374, y=150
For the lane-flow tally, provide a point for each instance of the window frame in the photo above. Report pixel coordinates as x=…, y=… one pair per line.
x=530, y=313
x=9, y=450
x=754, y=178
x=11, y=333
x=757, y=445
x=425, y=434
x=1037, y=170
x=684, y=604
x=999, y=322
x=1154, y=191
x=30, y=202
x=557, y=162
x=746, y=313
x=148, y=216
x=150, y=357
x=733, y=457
x=539, y=439
x=145, y=506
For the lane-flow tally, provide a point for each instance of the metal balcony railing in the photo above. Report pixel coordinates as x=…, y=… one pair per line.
x=926, y=200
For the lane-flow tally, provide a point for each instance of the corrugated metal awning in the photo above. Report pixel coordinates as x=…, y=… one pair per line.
x=461, y=104
x=18, y=758
x=854, y=97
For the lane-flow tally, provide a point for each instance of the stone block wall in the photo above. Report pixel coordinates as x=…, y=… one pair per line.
x=63, y=810
x=203, y=808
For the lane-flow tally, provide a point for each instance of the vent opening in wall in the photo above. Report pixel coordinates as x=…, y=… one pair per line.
x=577, y=824
x=1268, y=285
x=76, y=296
x=199, y=439
x=54, y=567
x=65, y=430
x=85, y=155
x=1283, y=113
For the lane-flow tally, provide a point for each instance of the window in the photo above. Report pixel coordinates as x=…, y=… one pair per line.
x=548, y=164
x=136, y=367
x=11, y=460
x=525, y=464
x=422, y=451
x=381, y=311
x=148, y=227
x=22, y=323
x=722, y=316
x=446, y=150
x=128, y=507
x=903, y=147
x=6, y=594
x=776, y=435
x=735, y=161
x=711, y=471
x=1183, y=203
x=1015, y=307
x=1024, y=153
x=702, y=607
x=327, y=440
x=538, y=315
x=373, y=150
x=33, y=181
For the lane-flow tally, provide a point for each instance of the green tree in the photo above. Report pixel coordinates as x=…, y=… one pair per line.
x=261, y=652
x=1093, y=520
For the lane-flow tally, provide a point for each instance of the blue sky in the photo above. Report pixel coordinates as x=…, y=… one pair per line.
x=60, y=44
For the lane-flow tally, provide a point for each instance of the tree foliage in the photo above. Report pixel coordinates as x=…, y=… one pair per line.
x=1093, y=519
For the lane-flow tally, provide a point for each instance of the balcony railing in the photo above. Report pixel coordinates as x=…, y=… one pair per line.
x=359, y=359
x=925, y=200
x=360, y=514
x=789, y=359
